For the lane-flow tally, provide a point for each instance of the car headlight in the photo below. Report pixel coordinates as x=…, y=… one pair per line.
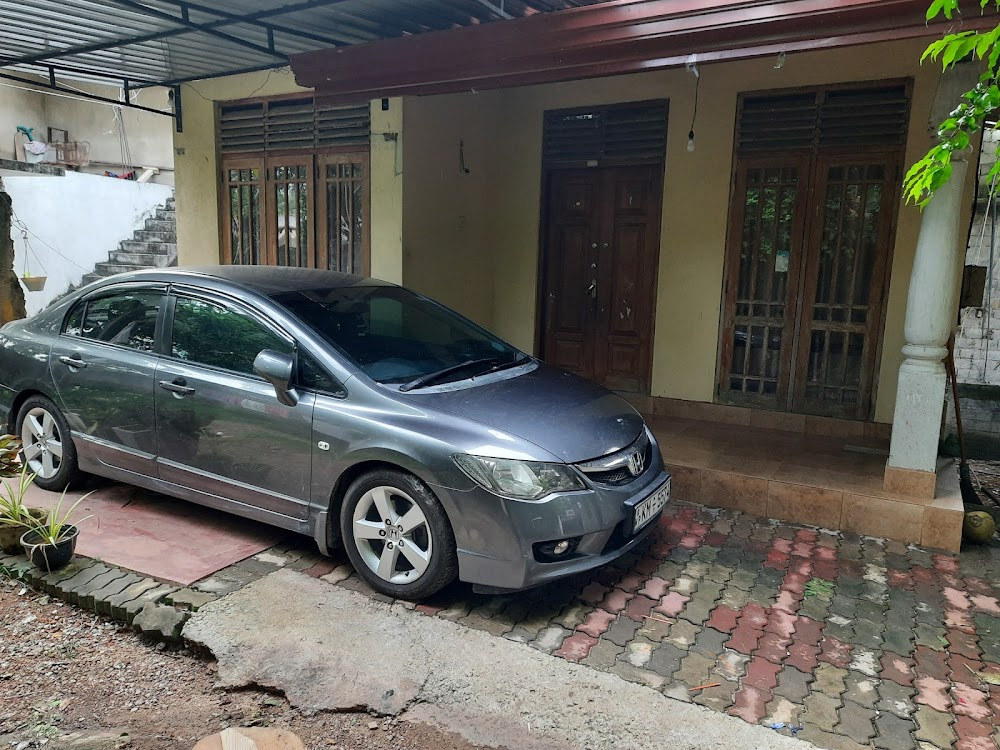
x=521, y=480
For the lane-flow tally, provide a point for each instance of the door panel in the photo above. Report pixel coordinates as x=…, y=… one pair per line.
x=600, y=273
x=768, y=227
x=844, y=283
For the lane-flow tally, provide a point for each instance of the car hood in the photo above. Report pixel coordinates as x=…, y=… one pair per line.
x=570, y=417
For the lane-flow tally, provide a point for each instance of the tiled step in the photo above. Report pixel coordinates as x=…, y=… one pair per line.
x=145, y=235
x=148, y=260
x=149, y=248
x=160, y=225
x=163, y=214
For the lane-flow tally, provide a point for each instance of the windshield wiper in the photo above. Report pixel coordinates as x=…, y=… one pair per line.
x=430, y=377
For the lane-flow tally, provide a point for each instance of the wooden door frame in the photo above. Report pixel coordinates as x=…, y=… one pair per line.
x=545, y=215
x=342, y=156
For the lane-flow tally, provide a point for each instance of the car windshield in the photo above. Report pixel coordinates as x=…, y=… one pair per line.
x=396, y=336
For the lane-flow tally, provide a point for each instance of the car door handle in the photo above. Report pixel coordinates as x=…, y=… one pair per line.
x=73, y=361
x=178, y=386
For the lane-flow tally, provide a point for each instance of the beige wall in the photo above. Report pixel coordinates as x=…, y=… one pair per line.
x=149, y=135
x=507, y=196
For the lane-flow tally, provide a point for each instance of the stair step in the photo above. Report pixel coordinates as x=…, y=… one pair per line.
x=160, y=225
x=145, y=235
x=170, y=203
x=110, y=269
x=146, y=260
x=150, y=248
x=163, y=214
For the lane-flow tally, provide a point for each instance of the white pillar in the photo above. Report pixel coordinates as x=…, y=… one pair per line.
x=930, y=319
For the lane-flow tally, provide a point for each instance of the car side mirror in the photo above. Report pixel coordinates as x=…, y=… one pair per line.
x=277, y=368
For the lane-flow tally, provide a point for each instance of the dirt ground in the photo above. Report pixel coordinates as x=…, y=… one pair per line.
x=63, y=671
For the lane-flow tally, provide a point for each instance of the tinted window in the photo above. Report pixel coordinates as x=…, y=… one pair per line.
x=126, y=319
x=217, y=336
x=395, y=336
x=315, y=378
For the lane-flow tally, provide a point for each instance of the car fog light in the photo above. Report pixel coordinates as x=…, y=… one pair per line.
x=560, y=548
x=556, y=550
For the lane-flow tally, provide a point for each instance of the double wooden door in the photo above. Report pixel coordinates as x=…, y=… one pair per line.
x=599, y=272
x=809, y=247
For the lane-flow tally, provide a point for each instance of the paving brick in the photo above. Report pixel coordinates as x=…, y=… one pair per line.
x=750, y=704
x=973, y=735
x=672, y=604
x=723, y=618
x=621, y=631
x=190, y=599
x=718, y=698
x=855, y=722
x=894, y=733
x=634, y=674
x=576, y=647
x=133, y=607
x=971, y=702
x=573, y=615
x=761, y=674
x=710, y=642
x=638, y=608
x=102, y=597
x=666, y=659
x=683, y=634
x=821, y=710
x=783, y=711
x=594, y=593
x=655, y=628
x=638, y=652
x=160, y=622
x=934, y=727
x=67, y=589
x=597, y=623
x=896, y=699
x=603, y=655
x=896, y=668
x=695, y=669
x=861, y=690
x=550, y=638
x=835, y=652
x=129, y=593
x=83, y=595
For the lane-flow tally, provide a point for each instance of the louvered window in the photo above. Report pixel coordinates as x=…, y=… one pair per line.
x=634, y=133
x=835, y=117
x=295, y=186
x=290, y=124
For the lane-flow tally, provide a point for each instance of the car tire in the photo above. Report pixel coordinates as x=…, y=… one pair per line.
x=392, y=525
x=46, y=444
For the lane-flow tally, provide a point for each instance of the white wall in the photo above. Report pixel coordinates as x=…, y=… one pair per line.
x=74, y=222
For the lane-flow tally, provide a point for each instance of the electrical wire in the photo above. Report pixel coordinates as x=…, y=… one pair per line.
x=23, y=228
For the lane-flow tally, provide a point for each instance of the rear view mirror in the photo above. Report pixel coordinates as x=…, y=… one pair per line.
x=277, y=369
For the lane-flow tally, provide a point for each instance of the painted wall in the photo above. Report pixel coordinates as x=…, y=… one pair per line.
x=149, y=135
x=695, y=204
x=63, y=239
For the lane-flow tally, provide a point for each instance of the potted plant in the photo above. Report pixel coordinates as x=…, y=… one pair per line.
x=50, y=542
x=14, y=514
x=33, y=283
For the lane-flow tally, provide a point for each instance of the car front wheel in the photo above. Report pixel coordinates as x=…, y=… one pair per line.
x=397, y=535
x=46, y=444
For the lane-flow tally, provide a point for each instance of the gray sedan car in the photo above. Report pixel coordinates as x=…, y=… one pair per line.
x=348, y=409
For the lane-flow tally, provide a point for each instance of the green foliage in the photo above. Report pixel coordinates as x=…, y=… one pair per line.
x=13, y=511
x=818, y=587
x=955, y=134
x=10, y=451
x=57, y=525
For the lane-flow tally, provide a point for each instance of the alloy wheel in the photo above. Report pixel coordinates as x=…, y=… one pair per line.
x=392, y=535
x=41, y=443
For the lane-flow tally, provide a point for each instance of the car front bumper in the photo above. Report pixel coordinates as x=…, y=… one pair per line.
x=497, y=537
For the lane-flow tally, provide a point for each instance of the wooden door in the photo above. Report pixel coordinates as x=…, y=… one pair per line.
x=599, y=269
x=290, y=179
x=844, y=282
x=810, y=239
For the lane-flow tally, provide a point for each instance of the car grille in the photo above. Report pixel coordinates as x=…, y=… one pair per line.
x=618, y=473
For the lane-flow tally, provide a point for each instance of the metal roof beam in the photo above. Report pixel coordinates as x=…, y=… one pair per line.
x=82, y=94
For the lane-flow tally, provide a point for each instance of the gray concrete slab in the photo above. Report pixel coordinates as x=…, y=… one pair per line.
x=328, y=648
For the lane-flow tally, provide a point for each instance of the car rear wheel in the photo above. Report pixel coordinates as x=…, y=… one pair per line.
x=46, y=445
x=397, y=535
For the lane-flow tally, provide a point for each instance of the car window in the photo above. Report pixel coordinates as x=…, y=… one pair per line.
x=125, y=319
x=315, y=378
x=396, y=336
x=225, y=337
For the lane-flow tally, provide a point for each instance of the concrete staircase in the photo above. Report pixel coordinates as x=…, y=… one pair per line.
x=153, y=246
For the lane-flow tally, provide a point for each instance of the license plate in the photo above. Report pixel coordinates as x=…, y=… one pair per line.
x=646, y=510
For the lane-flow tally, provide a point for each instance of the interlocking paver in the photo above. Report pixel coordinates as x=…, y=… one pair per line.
x=793, y=684
x=934, y=726
x=896, y=699
x=821, y=710
x=861, y=690
x=856, y=722
x=666, y=659
x=894, y=733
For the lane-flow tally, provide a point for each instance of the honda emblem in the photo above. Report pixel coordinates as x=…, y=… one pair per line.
x=636, y=463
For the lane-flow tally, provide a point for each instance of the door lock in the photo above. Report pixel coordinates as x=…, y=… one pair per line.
x=592, y=289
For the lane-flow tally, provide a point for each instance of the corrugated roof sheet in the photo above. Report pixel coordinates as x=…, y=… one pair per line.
x=166, y=42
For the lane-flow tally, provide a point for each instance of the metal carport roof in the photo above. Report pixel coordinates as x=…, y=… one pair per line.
x=139, y=43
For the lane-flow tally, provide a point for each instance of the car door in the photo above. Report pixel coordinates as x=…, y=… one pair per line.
x=102, y=364
x=220, y=427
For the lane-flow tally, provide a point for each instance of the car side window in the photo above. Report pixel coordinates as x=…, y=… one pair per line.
x=124, y=319
x=315, y=378
x=210, y=334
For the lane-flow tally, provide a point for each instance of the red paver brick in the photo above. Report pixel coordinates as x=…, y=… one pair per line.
x=801, y=566
x=597, y=622
x=678, y=525
x=723, y=618
x=428, y=609
x=773, y=647
x=971, y=702
x=828, y=554
x=960, y=667
x=793, y=582
x=788, y=602
x=986, y=604
x=802, y=549
x=672, y=604
x=631, y=582
x=690, y=541
x=784, y=546
x=828, y=571
x=802, y=656
x=964, y=644
x=753, y=615
x=749, y=704
x=698, y=529
x=922, y=575
x=776, y=560
x=781, y=623
x=806, y=535
x=655, y=588
x=744, y=639
x=715, y=539
x=973, y=735
x=978, y=586
x=957, y=599
x=835, y=652
x=945, y=564
x=931, y=663
x=593, y=593
x=321, y=568
x=616, y=600
x=576, y=647
x=897, y=668
x=647, y=566
x=637, y=609
x=899, y=579
x=808, y=630
x=932, y=692
x=761, y=674
x=661, y=550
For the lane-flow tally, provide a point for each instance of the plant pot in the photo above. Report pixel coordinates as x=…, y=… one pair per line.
x=50, y=557
x=34, y=283
x=10, y=536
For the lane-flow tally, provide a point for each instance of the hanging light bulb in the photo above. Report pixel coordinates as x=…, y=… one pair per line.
x=691, y=140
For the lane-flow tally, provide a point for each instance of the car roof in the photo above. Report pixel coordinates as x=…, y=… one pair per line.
x=265, y=280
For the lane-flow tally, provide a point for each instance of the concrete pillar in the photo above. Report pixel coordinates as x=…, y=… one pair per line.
x=387, y=191
x=11, y=293
x=930, y=319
